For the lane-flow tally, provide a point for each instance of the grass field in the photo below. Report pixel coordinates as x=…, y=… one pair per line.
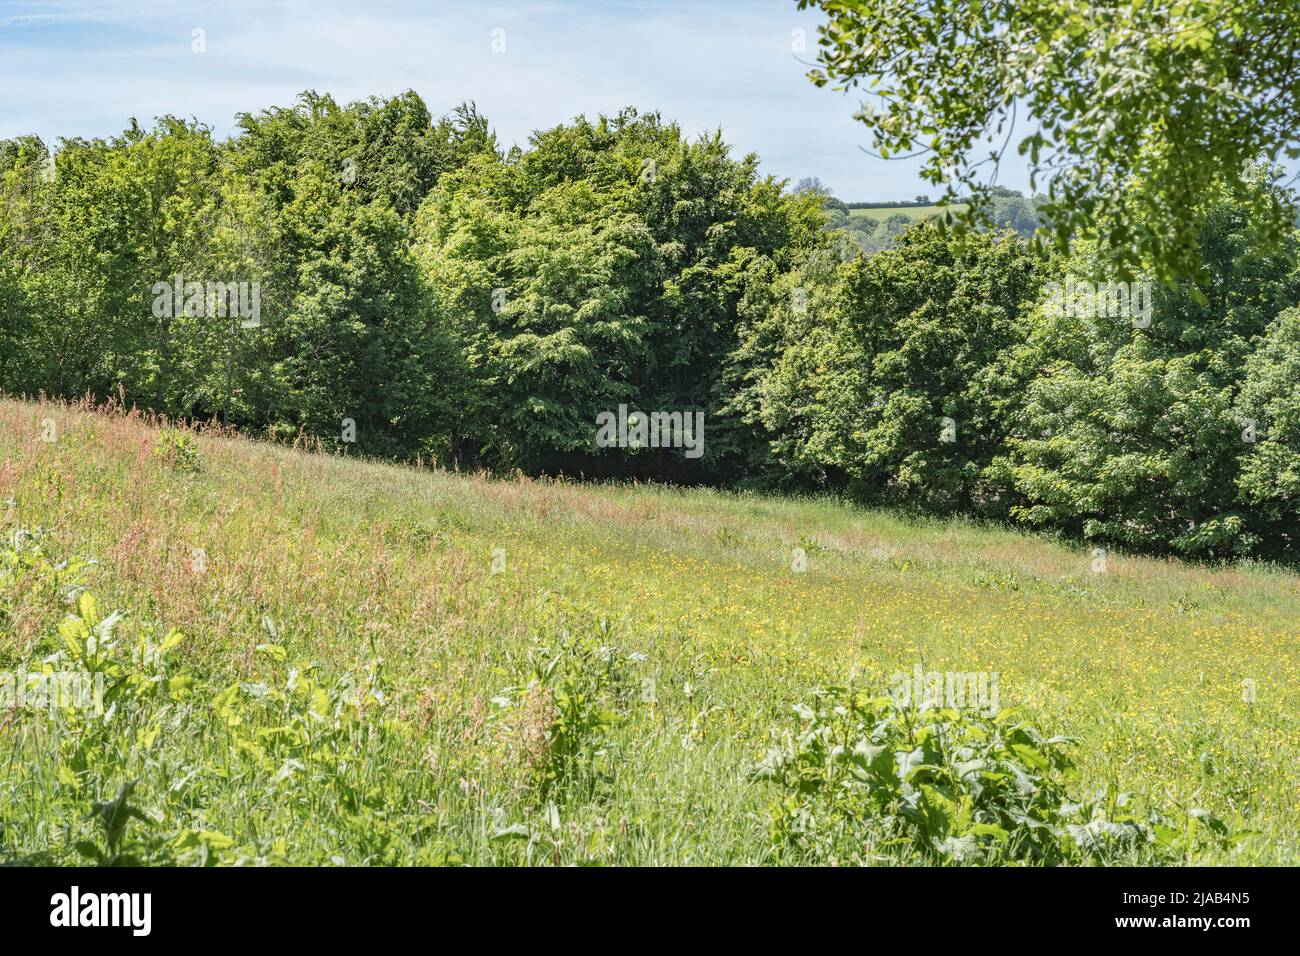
x=880, y=214
x=385, y=664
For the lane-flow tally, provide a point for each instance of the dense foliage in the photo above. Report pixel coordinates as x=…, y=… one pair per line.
x=1173, y=97
x=865, y=776
x=408, y=288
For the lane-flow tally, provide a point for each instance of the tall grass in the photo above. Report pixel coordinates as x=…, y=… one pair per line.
x=385, y=664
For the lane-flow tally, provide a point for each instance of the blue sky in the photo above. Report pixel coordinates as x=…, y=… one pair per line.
x=82, y=67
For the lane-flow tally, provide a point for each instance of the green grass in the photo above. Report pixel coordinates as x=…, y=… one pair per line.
x=881, y=213
x=417, y=736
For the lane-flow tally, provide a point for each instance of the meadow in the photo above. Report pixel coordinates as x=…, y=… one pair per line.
x=326, y=660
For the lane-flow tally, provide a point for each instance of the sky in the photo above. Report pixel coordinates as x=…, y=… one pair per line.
x=84, y=67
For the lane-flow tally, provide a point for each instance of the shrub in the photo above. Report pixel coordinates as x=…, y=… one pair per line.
x=178, y=451
x=1134, y=435
x=140, y=775
x=564, y=714
x=862, y=773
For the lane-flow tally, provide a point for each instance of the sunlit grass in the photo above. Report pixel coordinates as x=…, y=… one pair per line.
x=338, y=561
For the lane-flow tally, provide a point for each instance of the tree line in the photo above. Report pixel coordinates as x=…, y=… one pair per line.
x=481, y=306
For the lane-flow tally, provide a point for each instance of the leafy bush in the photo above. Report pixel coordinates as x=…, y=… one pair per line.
x=178, y=450
x=142, y=693
x=863, y=774
x=136, y=781
x=566, y=711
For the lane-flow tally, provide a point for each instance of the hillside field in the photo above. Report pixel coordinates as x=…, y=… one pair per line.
x=383, y=664
x=881, y=213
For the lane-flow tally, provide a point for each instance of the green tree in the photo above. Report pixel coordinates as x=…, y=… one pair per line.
x=603, y=266
x=1269, y=407
x=68, y=236
x=1131, y=432
x=1123, y=107
x=884, y=380
x=358, y=339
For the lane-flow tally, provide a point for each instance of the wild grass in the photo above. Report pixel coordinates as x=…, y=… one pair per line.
x=434, y=668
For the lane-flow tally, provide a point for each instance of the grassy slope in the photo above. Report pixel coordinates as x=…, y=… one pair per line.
x=881, y=213
x=1143, y=663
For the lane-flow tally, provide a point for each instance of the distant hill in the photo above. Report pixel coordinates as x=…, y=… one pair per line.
x=876, y=225
x=881, y=212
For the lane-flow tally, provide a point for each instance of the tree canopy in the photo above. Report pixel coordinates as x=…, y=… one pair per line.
x=1132, y=113
x=393, y=284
